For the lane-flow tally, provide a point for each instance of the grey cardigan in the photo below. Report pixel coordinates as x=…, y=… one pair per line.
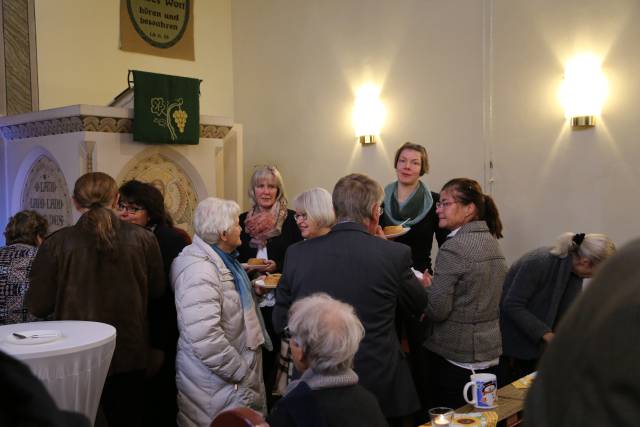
x=463, y=309
x=533, y=294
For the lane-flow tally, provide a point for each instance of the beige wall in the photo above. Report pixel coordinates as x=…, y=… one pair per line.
x=298, y=63
x=79, y=61
x=549, y=178
x=472, y=80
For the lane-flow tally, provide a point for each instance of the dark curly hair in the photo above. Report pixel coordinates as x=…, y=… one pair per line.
x=148, y=197
x=25, y=227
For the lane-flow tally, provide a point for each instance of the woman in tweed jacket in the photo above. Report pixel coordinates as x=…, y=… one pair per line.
x=463, y=331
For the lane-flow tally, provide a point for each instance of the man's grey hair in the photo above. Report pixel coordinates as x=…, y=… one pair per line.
x=214, y=216
x=328, y=330
x=354, y=197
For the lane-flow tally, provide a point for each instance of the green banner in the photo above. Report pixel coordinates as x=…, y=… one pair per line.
x=166, y=108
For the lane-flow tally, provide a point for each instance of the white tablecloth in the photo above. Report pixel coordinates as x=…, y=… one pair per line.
x=73, y=367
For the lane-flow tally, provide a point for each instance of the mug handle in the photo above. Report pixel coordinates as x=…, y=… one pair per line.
x=465, y=394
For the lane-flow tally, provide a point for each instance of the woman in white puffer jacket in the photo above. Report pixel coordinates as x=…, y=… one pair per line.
x=218, y=365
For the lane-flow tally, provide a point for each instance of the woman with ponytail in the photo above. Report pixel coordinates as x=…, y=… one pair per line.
x=538, y=290
x=463, y=334
x=104, y=270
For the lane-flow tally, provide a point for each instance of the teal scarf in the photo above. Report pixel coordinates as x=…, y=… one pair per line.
x=243, y=287
x=415, y=208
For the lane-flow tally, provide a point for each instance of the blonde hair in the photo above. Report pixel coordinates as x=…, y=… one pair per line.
x=96, y=191
x=317, y=204
x=266, y=172
x=594, y=247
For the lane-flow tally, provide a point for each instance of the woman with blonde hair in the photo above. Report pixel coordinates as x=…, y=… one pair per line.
x=104, y=270
x=538, y=290
x=268, y=229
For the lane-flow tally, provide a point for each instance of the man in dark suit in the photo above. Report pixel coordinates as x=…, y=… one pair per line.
x=372, y=274
x=589, y=375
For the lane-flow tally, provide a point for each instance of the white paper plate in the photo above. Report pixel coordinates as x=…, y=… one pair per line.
x=254, y=267
x=38, y=336
x=402, y=233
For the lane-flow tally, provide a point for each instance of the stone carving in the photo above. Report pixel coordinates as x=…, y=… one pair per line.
x=90, y=124
x=45, y=191
x=174, y=184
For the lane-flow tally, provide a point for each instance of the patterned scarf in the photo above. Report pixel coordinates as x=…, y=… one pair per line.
x=262, y=226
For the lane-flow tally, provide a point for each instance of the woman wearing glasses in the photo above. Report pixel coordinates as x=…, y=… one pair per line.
x=463, y=331
x=268, y=229
x=142, y=204
x=314, y=212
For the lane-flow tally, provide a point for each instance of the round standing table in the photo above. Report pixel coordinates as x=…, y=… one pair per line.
x=73, y=367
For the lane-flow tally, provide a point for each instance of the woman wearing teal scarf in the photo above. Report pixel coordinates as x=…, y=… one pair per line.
x=409, y=199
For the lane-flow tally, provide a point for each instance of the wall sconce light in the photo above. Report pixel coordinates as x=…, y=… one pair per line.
x=368, y=114
x=583, y=91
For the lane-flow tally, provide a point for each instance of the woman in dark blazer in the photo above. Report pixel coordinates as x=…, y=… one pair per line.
x=538, y=290
x=268, y=229
x=463, y=333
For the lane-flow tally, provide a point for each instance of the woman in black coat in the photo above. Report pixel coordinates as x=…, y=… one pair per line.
x=268, y=229
x=408, y=200
x=143, y=204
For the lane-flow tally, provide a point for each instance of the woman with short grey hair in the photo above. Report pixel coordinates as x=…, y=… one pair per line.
x=324, y=335
x=219, y=361
x=314, y=212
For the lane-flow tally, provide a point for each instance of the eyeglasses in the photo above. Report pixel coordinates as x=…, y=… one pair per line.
x=444, y=205
x=300, y=216
x=129, y=208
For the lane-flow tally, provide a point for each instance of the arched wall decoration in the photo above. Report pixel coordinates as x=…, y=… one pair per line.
x=45, y=191
x=175, y=184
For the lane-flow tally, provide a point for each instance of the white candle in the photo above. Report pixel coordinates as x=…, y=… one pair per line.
x=441, y=420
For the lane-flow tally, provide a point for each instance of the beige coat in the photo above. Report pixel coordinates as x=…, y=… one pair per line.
x=215, y=369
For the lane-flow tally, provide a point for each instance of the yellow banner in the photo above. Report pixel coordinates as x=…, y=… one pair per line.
x=157, y=27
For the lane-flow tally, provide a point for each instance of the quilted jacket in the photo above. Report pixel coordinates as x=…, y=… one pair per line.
x=214, y=368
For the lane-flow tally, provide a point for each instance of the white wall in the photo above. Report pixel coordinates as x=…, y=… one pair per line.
x=298, y=63
x=471, y=80
x=79, y=61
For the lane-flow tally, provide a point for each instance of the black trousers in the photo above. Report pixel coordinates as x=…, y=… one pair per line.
x=270, y=358
x=447, y=380
x=512, y=369
x=121, y=398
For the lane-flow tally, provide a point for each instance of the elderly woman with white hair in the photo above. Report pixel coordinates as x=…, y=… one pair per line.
x=219, y=364
x=324, y=335
x=314, y=212
x=538, y=290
